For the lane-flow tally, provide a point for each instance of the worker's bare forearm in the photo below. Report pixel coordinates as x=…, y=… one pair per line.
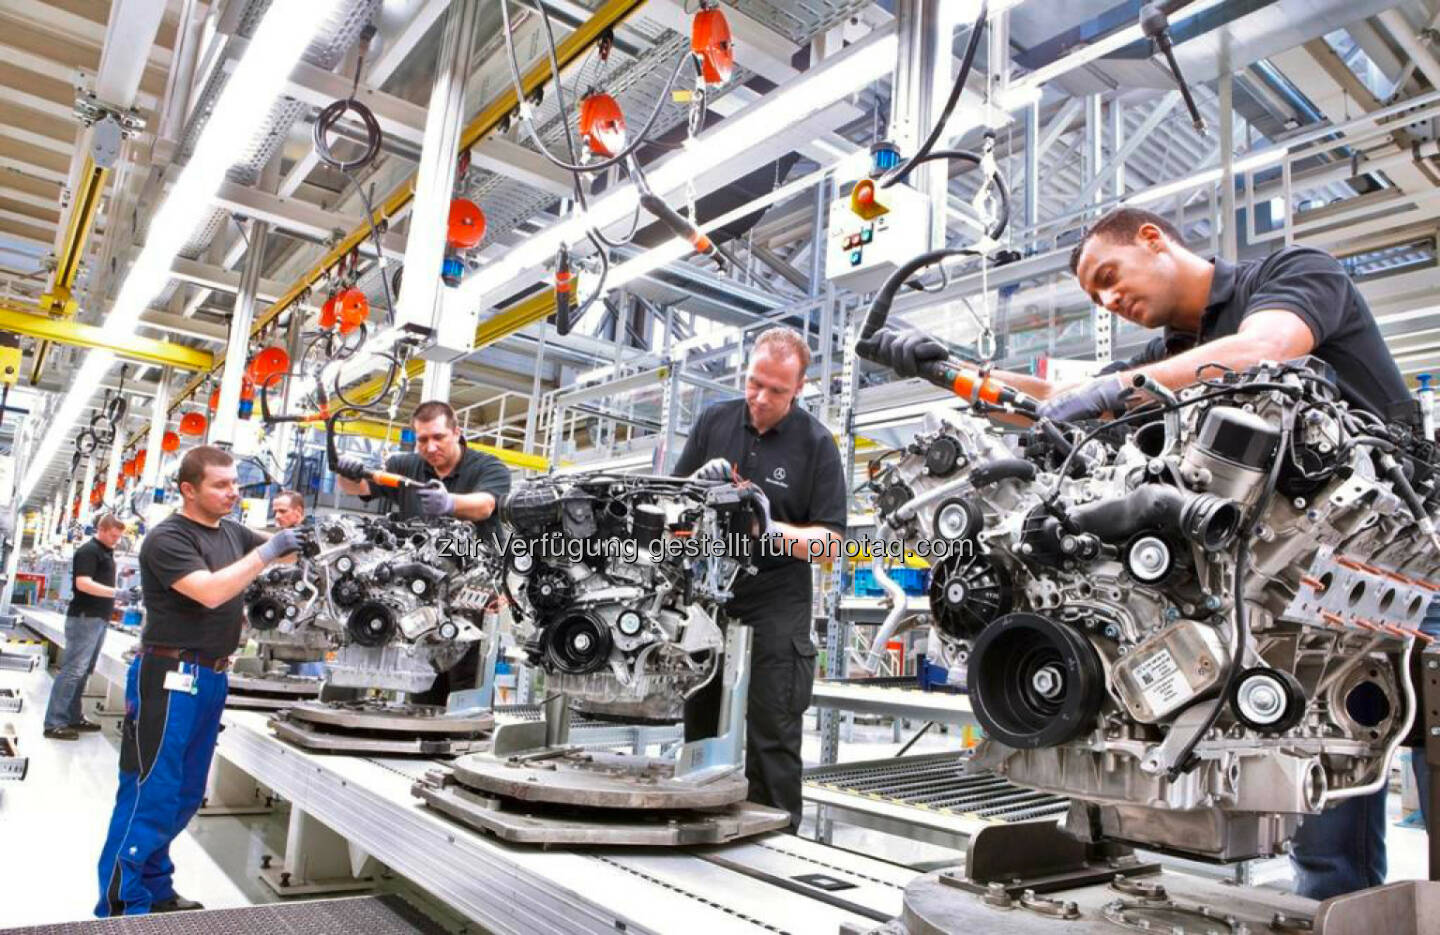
x=87, y=585
x=213, y=588
x=808, y=543
x=1025, y=383
x=475, y=506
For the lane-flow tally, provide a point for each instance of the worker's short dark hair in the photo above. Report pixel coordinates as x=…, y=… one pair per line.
x=434, y=409
x=294, y=498
x=197, y=459
x=109, y=521
x=1122, y=225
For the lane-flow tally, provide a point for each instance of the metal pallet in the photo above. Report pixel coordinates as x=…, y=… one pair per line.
x=930, y=796
x=11, y=701
x=12, y=764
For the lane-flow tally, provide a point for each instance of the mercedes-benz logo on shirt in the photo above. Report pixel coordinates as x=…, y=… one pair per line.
x=777, y=477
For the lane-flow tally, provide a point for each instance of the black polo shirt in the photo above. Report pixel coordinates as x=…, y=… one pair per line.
x=477, y=472
x=795, y=463
x=95, y=561
x=178, y=546
x=1313, y=285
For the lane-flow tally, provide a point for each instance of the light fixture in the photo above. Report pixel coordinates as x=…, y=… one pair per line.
x=1252, y=163
x=832, y=80
x=243, y=105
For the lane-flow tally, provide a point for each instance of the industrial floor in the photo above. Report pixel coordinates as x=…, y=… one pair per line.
x=52, y=825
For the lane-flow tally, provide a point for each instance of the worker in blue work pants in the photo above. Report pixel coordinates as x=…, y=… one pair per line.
x=194, y=568
x=168, y=739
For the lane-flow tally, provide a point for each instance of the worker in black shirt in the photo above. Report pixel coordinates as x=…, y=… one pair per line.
x=289, y=508
x=472, y=484
x=93, y=579
x=194, y=568
x=790, y=458
x=1295, y=302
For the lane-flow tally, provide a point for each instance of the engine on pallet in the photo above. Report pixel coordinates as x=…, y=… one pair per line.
x=616, y=582
x=396, y=600
x=1198, y=628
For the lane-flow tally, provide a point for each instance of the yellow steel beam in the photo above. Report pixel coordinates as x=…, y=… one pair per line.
x=391, y=433
x=574, y=46
x=31, y=322
x=58, y=300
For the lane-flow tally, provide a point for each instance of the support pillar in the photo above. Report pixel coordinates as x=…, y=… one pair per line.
x=317, y=860
x=112, y=470
x=231, y=791
x=420, y=308
x=1229, y=243
x=154, y=455
x=922, y=79
x=237, y=349
x=86, y=511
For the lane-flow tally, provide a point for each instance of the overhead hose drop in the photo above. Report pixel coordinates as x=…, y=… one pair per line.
x=950, y=374
x=956, y=89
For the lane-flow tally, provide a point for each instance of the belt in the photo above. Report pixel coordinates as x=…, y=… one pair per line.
x=188, y=655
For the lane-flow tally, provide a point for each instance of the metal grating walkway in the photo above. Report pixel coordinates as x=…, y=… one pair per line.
x=936, y=782
x=373, y=915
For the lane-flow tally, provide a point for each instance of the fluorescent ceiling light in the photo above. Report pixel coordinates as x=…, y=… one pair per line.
x=813, y=91
x=243, y=105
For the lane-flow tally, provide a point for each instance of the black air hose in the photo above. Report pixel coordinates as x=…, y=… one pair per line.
x=1204, y=519
x=992, y=472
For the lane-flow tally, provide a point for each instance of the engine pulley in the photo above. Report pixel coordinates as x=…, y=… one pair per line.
x=1034, y=682
x=371, y=624
x=958, y=519
x=265, y=613
x=966, y=593
x=577, y=644
x=1267, y=700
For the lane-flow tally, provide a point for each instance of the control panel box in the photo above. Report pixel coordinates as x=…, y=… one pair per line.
x=861, y=253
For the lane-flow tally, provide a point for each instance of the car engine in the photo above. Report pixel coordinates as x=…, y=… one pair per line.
x=616, y=583
x=397, y=601
x=1198, y=627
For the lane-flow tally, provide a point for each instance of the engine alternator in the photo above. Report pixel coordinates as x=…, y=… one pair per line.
x=968, y=592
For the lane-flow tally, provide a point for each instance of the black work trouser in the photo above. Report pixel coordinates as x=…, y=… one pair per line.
x=782, y=675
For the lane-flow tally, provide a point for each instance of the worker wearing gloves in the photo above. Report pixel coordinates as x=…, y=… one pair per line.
x=1298, y=301
x=791, y=468
x=93, y=578
x=471, y=486
x=194, y=568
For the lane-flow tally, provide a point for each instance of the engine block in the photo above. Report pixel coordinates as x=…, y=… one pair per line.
x=388, y=602
x=616, y=582
x=1198, y=628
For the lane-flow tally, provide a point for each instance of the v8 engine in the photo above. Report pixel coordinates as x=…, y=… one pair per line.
x=398, y=600
x=1198, y=628
x=617, y=581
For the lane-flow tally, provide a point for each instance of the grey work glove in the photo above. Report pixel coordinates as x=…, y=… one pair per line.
x=280, y=545
x=902, y=351
x=1102, y=395
x=436, y=501
x=716, y=469
x=130, y=595
x=352, y=468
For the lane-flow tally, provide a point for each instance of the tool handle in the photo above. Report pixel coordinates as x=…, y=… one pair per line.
x=969, y=384
x=387, y=479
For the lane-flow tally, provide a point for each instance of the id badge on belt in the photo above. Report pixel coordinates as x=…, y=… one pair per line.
x=181, y=681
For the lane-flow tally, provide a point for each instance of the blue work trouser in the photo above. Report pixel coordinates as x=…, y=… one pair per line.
x=166, y=747
x=83, y=638
x=1342, y=849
